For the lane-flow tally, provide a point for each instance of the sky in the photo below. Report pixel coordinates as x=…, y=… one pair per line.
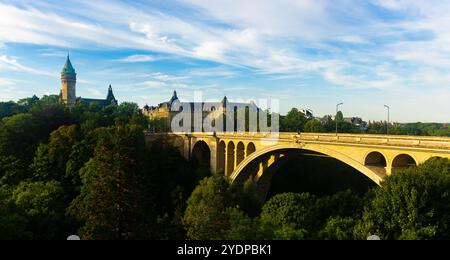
x=305, y=54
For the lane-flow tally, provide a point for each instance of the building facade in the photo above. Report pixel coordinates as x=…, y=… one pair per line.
x=162, y=115
x=68, y=89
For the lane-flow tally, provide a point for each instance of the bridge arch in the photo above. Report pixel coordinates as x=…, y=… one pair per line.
x=221, y=153
x=240, y=153
x=403, y=160
x=230, y=157
x=201, y=153
x=241, y=173
x=434, y=157
x=250, y=148
x=375, y=159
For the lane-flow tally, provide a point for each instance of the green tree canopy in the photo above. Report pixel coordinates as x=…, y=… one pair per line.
x=207, y=213
x=42, y=204
x=411, y=204
x=294, y=121
x=50, y=159
x=13, y=223
x=291, y=214
x=113, y=203
x=314, y=126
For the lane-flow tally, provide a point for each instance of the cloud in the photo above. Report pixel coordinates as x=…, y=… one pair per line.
x=220, y=71
x=10, y=63
x=381, y=80
x=96, y=93
x=5, y=82
x=53, y=53
x=150, y=84
x=8, y=90
x=213, y=50
x=165, y=77
x=139, y=58
x=352, y=39
x=390, y=4
x=381, y=45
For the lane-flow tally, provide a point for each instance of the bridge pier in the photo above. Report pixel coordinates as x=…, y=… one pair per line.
x=213, y=158
x=388, y=170
x=230, y=158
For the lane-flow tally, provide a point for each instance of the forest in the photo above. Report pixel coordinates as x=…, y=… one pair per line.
x=88, y=171
x=296, y=121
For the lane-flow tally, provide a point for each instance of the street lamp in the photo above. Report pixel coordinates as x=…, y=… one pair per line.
x=387, y=125
x=335, y=117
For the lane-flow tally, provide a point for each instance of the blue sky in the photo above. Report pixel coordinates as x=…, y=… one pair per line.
x=307, y=54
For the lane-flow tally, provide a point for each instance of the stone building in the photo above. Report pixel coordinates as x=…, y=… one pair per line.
x=68, y=89
x=163, y=113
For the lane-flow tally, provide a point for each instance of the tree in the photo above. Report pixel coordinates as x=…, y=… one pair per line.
x=375, y=127
x=13, y=223
x=314, y=126
x=207, y=214
x=18, y=142
x=339, y=117
x=329, y=124
x=51, y=158
x=171, y=181
x=338, y=228
x=411, y=204
x=242, y=227
x=28, y=103
x=128, y=112
x=10, y=109
x=114, y=203
x=293, y=121
x=42, y=204
x=18, y=136
x=292, y=215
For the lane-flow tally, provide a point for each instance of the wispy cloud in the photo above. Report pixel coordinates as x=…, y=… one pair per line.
x=388, y=45
x=5, y=82
x=53, y=53
x=165, y=77
x=10, y=63
x=96, y=93
x=150, y=84
x=139, y=58
x=220, y=71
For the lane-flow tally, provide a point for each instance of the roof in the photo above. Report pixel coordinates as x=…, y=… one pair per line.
x=174, y=97
x=68, y=68
x=101, y=102
x=110, y=99
x=110, y=96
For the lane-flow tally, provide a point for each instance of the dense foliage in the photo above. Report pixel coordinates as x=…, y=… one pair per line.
x=296, y=121
x=88, y=170
x=411, y=204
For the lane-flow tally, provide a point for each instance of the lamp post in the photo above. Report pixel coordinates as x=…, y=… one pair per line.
x=335, y=117
x=387, y=125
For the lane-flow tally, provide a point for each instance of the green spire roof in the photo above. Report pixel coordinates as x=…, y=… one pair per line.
x=68, y=67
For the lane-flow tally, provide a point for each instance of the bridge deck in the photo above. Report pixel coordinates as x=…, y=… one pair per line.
x=423, y=142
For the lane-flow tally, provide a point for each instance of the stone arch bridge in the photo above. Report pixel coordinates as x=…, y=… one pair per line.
x=257, y=155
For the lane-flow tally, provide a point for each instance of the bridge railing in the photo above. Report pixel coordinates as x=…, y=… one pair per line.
x=430, y=142
x=390, y=140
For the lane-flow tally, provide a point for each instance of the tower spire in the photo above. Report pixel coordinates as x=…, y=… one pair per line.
x=68, y=82
x=174, y=97
x=68, y=68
